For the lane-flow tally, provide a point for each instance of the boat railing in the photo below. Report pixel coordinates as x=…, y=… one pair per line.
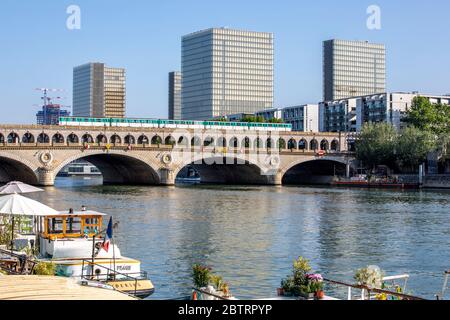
x=26, y=266
x=367, y=292
x=445, y=287
x=111, y=275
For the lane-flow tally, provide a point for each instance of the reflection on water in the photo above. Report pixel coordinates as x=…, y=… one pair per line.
x=250, y=235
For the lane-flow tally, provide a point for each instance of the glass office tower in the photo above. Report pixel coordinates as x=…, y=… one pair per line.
x=175, y=95
x=353, y=68
x=99, y=91
x=226, y=72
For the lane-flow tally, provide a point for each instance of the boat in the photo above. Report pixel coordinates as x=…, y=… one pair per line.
x=79, y=168
x=73, y=241
x=380, y=183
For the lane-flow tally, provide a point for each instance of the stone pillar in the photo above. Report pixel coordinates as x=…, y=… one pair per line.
x=275, y=179
x=46, y=177
x=167, y=177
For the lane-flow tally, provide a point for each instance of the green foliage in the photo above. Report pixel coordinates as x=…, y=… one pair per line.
x=380, y=144
x=201, y=276
x=45, y=269
x=427, y=116
x=300, y=283
x=5, y=231
x=413, y=147
x=216, y=281
x=376, y=145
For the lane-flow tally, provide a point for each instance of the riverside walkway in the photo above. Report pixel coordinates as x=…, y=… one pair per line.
x=52, y=288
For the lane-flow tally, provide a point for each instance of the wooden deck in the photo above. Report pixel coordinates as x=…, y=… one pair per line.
x=52, y=288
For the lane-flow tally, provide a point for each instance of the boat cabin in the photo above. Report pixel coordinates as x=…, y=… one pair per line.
x=71, y=236
x=84, y=224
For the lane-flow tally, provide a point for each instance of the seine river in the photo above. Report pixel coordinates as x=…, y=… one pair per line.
x=251, y=235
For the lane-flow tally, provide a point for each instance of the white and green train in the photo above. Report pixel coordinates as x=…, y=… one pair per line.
x=172, y=124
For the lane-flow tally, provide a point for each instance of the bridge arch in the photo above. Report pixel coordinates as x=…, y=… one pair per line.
x=28, y=138
x=258, y=144
x=318, y=171
x=87, y=138
x=115, y=139
x=246, y=143
x=335, y=145
x=209, y=141
x=324, y=145
x=156, y=140
x=2, y=138
x=13, y=138
x=130, y=139
x=222, y=142
x=234, y=143
x=143, y=139
x=101, y=138
x=232, y=170
x=303, y=144
x=43, y=138
x=292, y=144
x=58, y=138
x=15, y=168
x=170, y=141
x=73, y=138
x=118, y=167
x=313, y=145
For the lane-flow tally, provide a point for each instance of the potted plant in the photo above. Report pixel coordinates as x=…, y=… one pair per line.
x=316, y=285
x=201, y=276
x=371, y=277
x=301, y=283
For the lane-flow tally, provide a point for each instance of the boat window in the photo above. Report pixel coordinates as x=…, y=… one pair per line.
x=55, y=226
x=73, y=225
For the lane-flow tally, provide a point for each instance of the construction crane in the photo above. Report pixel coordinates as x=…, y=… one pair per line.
x=48, y=101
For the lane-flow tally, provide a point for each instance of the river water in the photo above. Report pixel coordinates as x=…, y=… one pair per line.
x=251, y=235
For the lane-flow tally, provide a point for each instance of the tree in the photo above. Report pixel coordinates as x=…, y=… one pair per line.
x=376, y=145
x=431, y=117
x=413, y=147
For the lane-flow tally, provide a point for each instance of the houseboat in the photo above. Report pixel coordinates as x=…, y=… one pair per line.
x=73, y=241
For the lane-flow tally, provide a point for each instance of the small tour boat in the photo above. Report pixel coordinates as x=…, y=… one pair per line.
x=73, y=241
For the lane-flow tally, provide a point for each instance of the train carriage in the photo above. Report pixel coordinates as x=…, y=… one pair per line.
x=172, y=124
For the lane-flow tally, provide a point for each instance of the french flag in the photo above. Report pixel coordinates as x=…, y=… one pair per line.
x=109, y=234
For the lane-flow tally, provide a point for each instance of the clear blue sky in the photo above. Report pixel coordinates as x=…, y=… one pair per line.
x=37, y=50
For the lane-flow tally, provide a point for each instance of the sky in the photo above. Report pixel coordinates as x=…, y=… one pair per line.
x=38, y=50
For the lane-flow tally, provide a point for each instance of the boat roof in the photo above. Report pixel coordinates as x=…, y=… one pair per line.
x=82, y=213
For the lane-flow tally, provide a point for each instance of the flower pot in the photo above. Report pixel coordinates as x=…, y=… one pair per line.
x=320, y=295
x=280, y=292
x=308, y=295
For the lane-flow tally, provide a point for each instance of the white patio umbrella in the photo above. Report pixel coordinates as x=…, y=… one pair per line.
x=17, y=205
x=18, y=187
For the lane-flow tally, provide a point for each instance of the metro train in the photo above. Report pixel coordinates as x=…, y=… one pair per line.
x=172, y=124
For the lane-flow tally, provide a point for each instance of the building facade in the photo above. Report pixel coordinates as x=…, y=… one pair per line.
x=49, y=115
x=175, y=95
x=270, y=114
x=352, y=69
x=99, y=91
x=350, y=115
x=303, y=118
x=226, y=72
x=338, y=115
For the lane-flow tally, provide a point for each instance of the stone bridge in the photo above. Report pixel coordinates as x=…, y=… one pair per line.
x=125, y=155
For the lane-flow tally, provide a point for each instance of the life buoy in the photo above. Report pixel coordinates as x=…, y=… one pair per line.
x=129, y=147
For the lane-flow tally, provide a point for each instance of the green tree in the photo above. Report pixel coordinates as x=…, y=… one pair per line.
x=413, y=146
x=376, y=145
x=433, y=117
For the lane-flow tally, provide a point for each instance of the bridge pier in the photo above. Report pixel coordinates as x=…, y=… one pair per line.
x=167, y=177
x=275, y=180
x=46, y=178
